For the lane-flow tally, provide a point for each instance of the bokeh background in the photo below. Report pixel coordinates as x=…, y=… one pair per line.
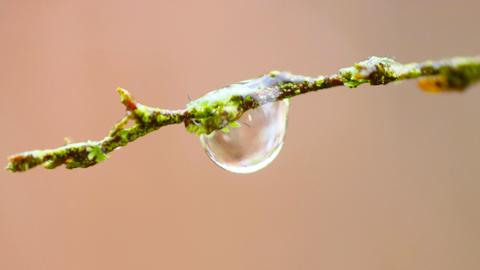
x=372, y=178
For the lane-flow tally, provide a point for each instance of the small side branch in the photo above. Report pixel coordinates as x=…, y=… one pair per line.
x=217, y=109
x=85, y=154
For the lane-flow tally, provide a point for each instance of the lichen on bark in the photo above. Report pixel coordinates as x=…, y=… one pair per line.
x=219, y=109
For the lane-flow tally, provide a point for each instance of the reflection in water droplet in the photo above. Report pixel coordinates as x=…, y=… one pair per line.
x=253, y=142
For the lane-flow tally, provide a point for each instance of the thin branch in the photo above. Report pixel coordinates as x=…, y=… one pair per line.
x=218, y=108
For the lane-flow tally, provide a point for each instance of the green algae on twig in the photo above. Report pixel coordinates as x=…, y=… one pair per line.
x=219, y=109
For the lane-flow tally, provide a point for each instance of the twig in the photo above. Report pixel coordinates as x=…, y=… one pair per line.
x=218, y=108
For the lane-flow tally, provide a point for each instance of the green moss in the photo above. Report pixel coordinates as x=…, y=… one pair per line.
x=217, y=109
x=234, y=124
x=375, y=70
x=319, y=82
x=208, y=117
x=95, y=153
x=162, y=118
x=461, y=73
x=143, y=113
x=225, y=130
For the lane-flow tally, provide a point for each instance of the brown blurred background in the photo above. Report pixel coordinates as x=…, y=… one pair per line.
x=372, y=178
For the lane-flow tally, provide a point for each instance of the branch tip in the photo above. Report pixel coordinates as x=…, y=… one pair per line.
x=127, y=99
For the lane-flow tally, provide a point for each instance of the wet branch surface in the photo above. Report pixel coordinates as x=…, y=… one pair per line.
x=219, y=108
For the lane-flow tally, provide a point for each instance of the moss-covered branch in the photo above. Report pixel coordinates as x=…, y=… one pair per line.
x=218, y=108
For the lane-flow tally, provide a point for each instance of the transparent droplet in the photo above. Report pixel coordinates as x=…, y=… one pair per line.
x=251, y=143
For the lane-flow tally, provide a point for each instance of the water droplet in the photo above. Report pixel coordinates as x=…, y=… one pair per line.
x=253, y=142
